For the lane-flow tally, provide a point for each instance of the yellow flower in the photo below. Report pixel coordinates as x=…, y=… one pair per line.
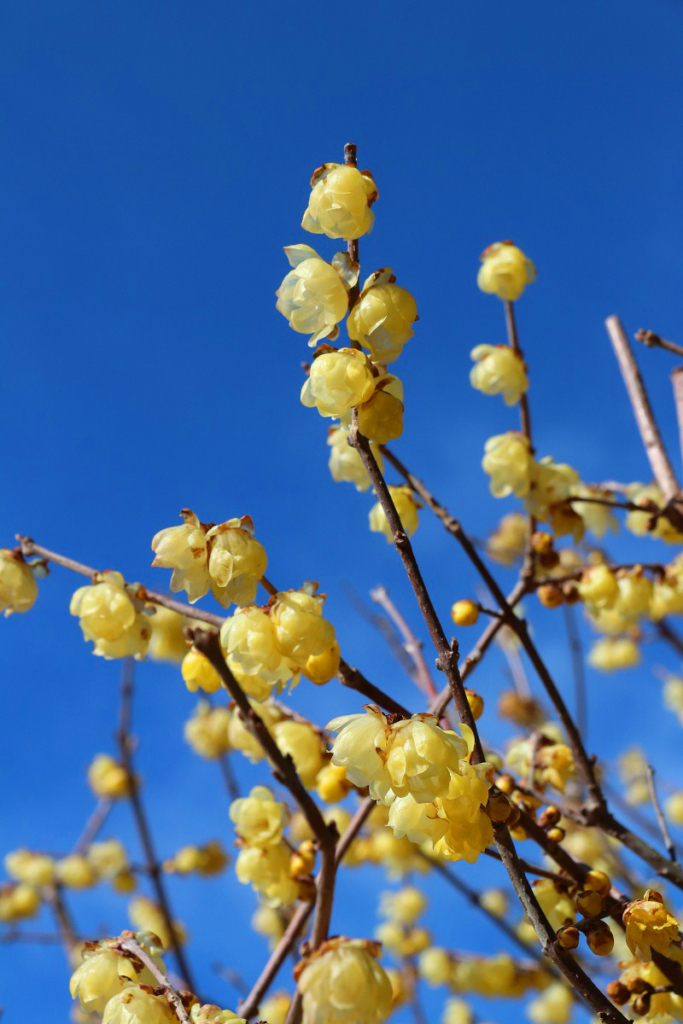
x=259, y=818
x=495, y=901
x=598, y=586
x=147, y=916
x=167, y=642
x=274, y=1008
x=301, y=632
x=137, y=1006
x=457, y=1011
x=304, y=746
x=267, y=870
x=108, y=778
x=404, y=905
x=380, y=419
x=505, y=271
x=313, y=296
x=506, y=544
x=103, y=974
x=639, y=522
x=250, y=639
x=30, y=868
x=345, y=463
x=108, y=858
x=206, y=860
x=331, y=783
x=674, y=808
x=18, y=587
x=242, y=738
x=554, y=1006
x=382, y=319
x=612, y=653
x=18, y=901
x=207, y=731
x=338, y=380
x=635, y=594
x=184, y=549
x=75, y=872
x=406, y=506
x=198, y=673
x=435, y=966
x=342, y=983
x=649, y=925
x=551, y=484
x=498, y=370
x=320, y=668
x=599, y=519
x=340, y=201
x=111, y=617
x=673, y=696
x=509, y=463
x=208, y=1013
x=557, y=906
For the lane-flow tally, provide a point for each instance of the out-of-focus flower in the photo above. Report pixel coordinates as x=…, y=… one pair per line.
x=259, y=818
x=29, y=867
x=167, y=642
x=611, y=653
x=304, y=745
x=207, y=731
x=509, y=463
x=507, y=542
x=505, y=271
x=267, y=870
x=107, y=777
x=407, y=506
x=345, y=463
x=498, y=370
x=18, y=587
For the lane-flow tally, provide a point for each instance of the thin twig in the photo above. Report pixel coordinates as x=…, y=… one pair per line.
x=652, y=340
x=578, y=669
x=659, y=813
x=54, y=895
x=677, y=382
x=94, y=824
x=174, y=999
x=126, y=746
x=412, y=645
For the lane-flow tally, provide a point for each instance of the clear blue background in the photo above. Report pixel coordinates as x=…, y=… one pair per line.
x=154, y=159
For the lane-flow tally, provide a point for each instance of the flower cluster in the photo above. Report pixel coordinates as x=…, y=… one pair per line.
x=264, y=860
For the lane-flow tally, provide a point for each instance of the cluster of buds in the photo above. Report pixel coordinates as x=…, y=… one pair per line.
x=102, y=861
x=207, y=860
x=490, y=976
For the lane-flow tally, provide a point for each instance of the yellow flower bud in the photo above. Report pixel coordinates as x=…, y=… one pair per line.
x=598, y=586
x=404, y=906
x=331, y=783
x=509, y=463
x=320, y=668
x=435, y=966
x=30, y=868
x=612, y=653
x=267, y=870
x=274, y=1008
x=498, y=370
x=476, y=703
x=111, y=617
x=380, y=419
x=18, y=901
x=75, y=872
x=207, y=731
x=674, y=808
x=338, y=381
x=342, y=983
x=495, y=901
x=18, y=587
x=108, y=858
x=382, y=319
x=198, y=673
x=505, y=271
x=108, y=778
x=266, y=921
x=346, y=465
x=258, y=818
x=465, y=613
x=673, y=696
x=406, y=506
x=554, y=901
x=340, y=201
x=313, y=296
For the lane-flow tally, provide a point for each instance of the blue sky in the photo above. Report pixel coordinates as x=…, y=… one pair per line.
x=154, y=159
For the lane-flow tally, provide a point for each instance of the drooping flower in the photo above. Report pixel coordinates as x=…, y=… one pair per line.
x=313, y=296
x=267, y=870
x=112, y=616
x=345, y=463
x=107, y=777
x=259, y=818
x=340, y=201
x=498, y=370
x=18, y=587
x=407, y=506
x=338, y=380
x=300, y=630
x=342, y=983
x=649, y=925
x=505, y=271
x=382, y=319
x=509, y=463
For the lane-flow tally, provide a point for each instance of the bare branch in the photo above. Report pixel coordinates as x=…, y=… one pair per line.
x=659, y=813
x=411, y=644
x=652, y=340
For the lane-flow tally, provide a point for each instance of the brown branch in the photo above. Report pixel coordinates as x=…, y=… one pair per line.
x=54, y=896
x=126, y=746
x=352, y=246
x=131, y=946
x=411, y=644
x=652, y=340
x=94, y=824
x=578, y=670
x=208, y=644
x=659, y=814
x=384, y=627
x=677, y=382
x=642, y=410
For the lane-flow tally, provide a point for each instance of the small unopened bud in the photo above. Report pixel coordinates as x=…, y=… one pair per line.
x=498, y=807
x=306, y=888
x=464, y=613
x=638, y=985
x=476, y=703
x=505, y=783
x=570, y=593
x=618, y=993
x=568, y=936
x=641, y=1004
x=542, y=542
x=550, y=596
x=589, y=903
x=598, y=881
x=518, y=832
x=549, y=561
x=301, y=861
x=556, y=835
x=549, y=816
x=600, y=939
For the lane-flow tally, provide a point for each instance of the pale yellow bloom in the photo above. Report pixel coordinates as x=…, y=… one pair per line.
x=635, y=594
x=505, y=271
x=404, y=905
x=345, y=463
x=108, y=858
x=267, y=870
x=207, y=731
x=147, y=916
x=673, y=696
x=274, y=1008
x=208, y=1013
x=108, y=778
x=314, y=295
x=380, y=419
x=599, y=519
x=498, y=370
x=184, y=549
x=112, y=617
x=598, y=586
x=167, y=642
x=344, y=984
x=649, y=925
x=242, y=738
x=301, y=632
x=137, y=1006
x=266, y=921
x=555, y=903
x=304, y=746
x=495, y=901
x=29, y=867
x=382, y=319
x=674, y=808
x=338, y=380
x=509, y=463
x=75, y=872
x=18, y=902
x=551, y=484
x=320, y=668
x=340, y=201
x=457, y=1011
x=639, y=522
x=612, y=653
x=207, y=860
x=103, y=974
x=435, y=966
x=198, y=673
x=407, y=506
x=554, y=1006
x=18, y=587
x=259, y=818
x=250, y=639
x=506, y=544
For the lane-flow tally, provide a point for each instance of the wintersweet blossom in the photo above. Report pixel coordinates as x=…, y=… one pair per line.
x=111, y=615
x=345, y=463
x=207, y=731
x=509, y=463
x=382, y=318
x=198, y=673
x=104, y=973
x=300, y=630
x=649, y=925
x=267, y=870
x=380, y=419
x=342, y=983
x=598, y=586
x=340, y=201
x=403, y=905
x=137, y=1006
x=498, y=370
x=338, y=380
x=250, y=639
x=29, y=867
x=303, y=744
x=167, y=642
x=611, y=653
x=407, y=507
x=259, y=818
x=18, y=902
x=107, y=777
x=641, y=523
x=313, y=296
x=505, y=271
x=146, y=915
x=18, y=587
